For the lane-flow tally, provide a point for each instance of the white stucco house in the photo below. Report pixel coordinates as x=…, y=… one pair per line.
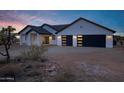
x=80, y=33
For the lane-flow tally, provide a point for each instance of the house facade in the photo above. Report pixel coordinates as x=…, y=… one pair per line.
x=80, y=33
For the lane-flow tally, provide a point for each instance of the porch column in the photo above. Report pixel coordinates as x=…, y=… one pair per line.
x=74, y=40
x=109, y=41
x=59, y=41
x=39, y=40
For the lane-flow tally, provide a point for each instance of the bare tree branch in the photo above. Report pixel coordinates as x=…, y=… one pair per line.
x=5, y=38
x=2, y=54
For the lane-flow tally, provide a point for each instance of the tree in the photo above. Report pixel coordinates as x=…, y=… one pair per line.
x=6, y=41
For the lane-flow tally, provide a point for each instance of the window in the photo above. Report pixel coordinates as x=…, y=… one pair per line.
x=79, y=40
x=53, y=37
x=63, y=40
x=33, y=36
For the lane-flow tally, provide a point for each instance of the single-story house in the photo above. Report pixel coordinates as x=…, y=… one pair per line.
x=79, y=33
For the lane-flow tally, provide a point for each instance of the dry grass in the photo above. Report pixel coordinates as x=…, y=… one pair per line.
x=11, y=70
x=65, y=76
x=34, y=53
x=77, y=64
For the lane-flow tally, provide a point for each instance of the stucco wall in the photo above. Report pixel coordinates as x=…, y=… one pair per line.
x=75, y=41
x=49, y=29
x=81, y=27
x=109, y=41
x=59, y=40
x=84, y=28
x=22, y=36
x=37, y=41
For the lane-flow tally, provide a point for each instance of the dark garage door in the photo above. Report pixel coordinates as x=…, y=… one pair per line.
x=67, y=40
x=94, y=40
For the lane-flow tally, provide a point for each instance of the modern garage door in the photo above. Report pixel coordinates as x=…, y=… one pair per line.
x=94, y=40
x=67, y=40
x=80, y=40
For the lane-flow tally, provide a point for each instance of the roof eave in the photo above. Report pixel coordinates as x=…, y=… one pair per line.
x=87, y=21
x=23, y=29
x=50, y=26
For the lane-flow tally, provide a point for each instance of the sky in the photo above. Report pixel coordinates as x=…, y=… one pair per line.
x=20, y=18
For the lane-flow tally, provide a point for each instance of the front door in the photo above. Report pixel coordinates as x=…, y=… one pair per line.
x=33, y=38
x=46, y=39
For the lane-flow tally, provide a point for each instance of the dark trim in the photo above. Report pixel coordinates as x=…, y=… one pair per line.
x=49, y=26
x=30, y=31
x=38, y=32
x=70, y=25
x=34, y=30
x=23, y=29
x=87, y=21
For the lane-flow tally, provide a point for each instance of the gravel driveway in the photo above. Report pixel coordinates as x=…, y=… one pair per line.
x=97, y=60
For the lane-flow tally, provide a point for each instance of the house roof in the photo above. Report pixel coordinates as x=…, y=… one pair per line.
x=37, y=29
x=87, y=21
x=59, y=28
x=40, y=30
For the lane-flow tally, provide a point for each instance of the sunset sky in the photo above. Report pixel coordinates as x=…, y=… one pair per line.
x=19, y=19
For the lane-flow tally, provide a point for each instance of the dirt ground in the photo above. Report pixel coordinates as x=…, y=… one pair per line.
x=72, y=59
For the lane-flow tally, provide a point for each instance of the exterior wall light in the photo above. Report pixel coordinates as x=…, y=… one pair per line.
x=59, y=37
x=74, y=37
x=50, y=37
x=109, y=37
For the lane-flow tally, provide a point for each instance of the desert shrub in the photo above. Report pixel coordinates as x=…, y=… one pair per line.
x=11, y=70
x=33, y=73
x=65, y=76
x=35, y=53
x=3, y=61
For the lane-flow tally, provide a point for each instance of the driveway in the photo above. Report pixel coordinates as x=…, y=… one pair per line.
x=95, y=60
x=71, y=58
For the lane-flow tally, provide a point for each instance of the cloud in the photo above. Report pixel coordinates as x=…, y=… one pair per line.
x=19, y=19
x=10, y=16
x=41, y=20
x=16, y=25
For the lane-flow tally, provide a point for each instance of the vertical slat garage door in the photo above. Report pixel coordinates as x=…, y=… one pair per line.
x=67, y=40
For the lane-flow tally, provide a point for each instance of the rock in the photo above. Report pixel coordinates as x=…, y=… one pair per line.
x=28, y=67
x=53, y=73
x=95, y=70
x=33, y=73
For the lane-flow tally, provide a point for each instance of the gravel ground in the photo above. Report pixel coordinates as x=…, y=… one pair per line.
x=106, y=61
x=100, y=61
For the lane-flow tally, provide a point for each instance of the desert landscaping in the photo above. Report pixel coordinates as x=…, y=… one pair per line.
x=59, y=64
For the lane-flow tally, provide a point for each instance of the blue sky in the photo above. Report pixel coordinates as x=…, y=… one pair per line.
x=20, y=18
